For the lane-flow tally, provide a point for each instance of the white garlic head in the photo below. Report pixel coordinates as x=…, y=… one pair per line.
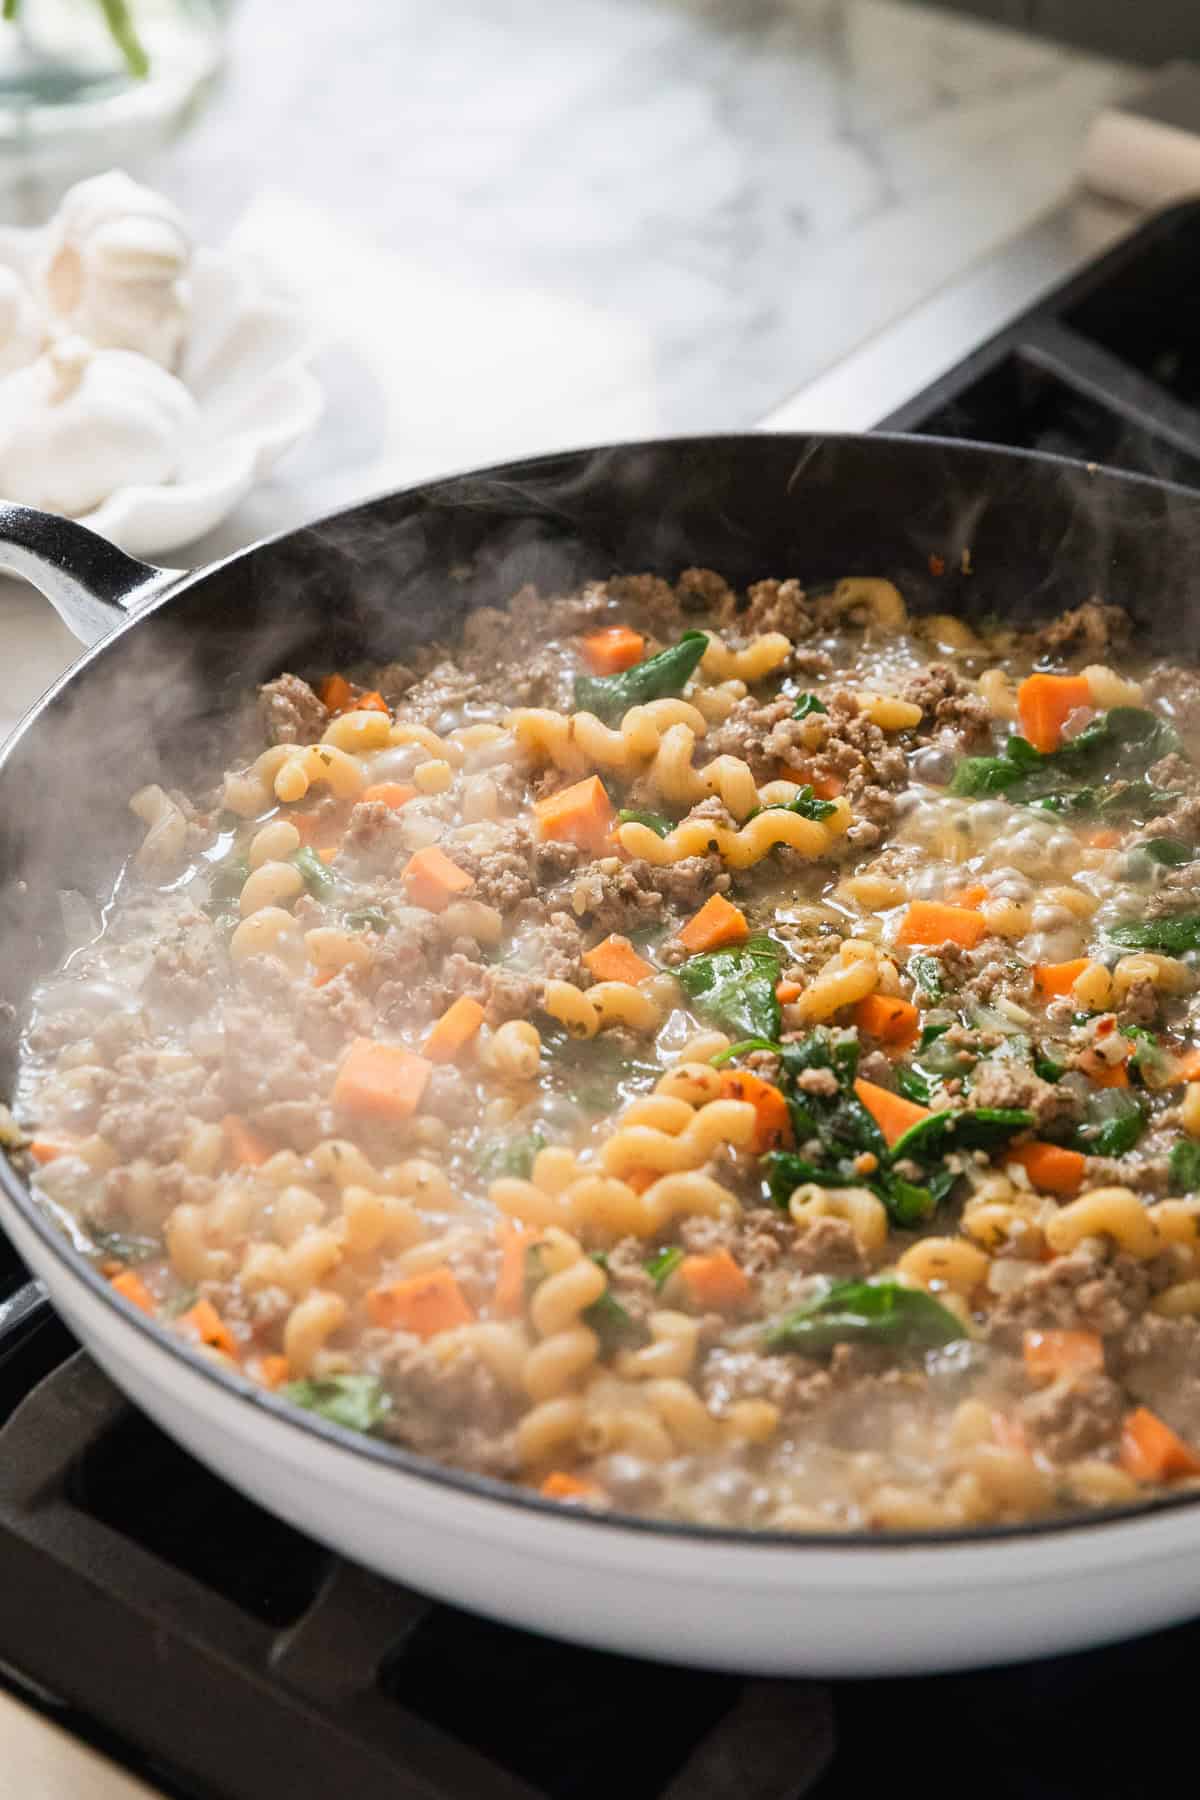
x=21, y=331
x=79, y=423
x=114, y=268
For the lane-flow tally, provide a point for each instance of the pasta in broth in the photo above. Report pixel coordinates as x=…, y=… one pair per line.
x=730, y=1057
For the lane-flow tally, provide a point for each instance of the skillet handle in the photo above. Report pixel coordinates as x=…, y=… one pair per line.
x=89, y=582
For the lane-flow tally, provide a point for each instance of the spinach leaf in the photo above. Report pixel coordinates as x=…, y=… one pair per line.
x=743, y=1049
x=663, y=1264
x=509, y=1156
x=1185, y=1167
x=592, y=1071
x=126, y=1247
x=226, y=882
x=610, y=1321
x=633, y=815
x=910, y=1203
x=1170, y=851
x=927, y=972
x=1118, y=746
x=1149, y=1058
x=786, y=1171
x=807, y=704
x=357, y=1401
x=368, y=918
x=1113, y=1123
x=317, y=879
x=735, y=987
x=931, y=1033
x=981, y=1128
x=803, y=801
x=913, y=1084
x=1047, y=1066
x=1172, y=935
x=609, y=696
x=873, y=1312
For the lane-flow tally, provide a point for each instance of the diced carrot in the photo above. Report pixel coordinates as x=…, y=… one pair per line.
x=787, y=991
x=1057, y=979
x=514, y=1240
x=1009, y=1433
x=889, y=1019
x=454, y=1030
x=1151, y=1451
x=616, y=960
x=1104, y=839
x=893, y=1114
x=424, y=1304
x=773, y=1129
x=373, y=701
x=325, y=976
x=969, y=896
x=433, y=880
x=581, y=815
x=826, y=787
x=134, y=1289
x=559, y=1485
x=204, y=1323
x=389, y=793
x=615, y=648
x=1046, y=702
x=1052, y=1354
x=47, y=1150
x=245, y=1147
x=1050, y=1168
x=1186, y=1066
x=272, y=1370
x=380, y=1081
x=935, y=922
x=717, y=923
x=715, y=1281
x=335, y=693
x=1107, y=1075
x=641, y=1179
x=328, y=855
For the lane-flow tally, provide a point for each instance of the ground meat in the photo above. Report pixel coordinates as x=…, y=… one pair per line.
x=296, y=1124
x=703, y=591
x=778, y=606
x=561, y=944
x=1183, y=821
x=987, y=972
x=262, y=1061
x=149, y=1126
x=1002, y=1083
x=819, y=1081
x=623, y=898
x=510, y=996
x=829, y=1247
x=1072, y=1419
x=628, y=1282
x=393, y=681
x=291, y=712
x=444, y=689
x=746, y=733
x=875, y=1066
x=374, y=836
x=1090, y=630
x=184, y=970
x=1141, y=1003
x=329, y=1016
x=1174, y=891
x=652, y=600
x=946, y=701
x=452, y=1408
x=1179, y=688
x=1158, y=1361
x=1076, y=1293
x=795, y=1385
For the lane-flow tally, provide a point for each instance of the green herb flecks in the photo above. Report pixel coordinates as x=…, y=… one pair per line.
x=927, y=972
x=872, y=1312
x=514, y=1156
x=806, y=705
x=657, y=678
x=662, y=1265
x=360, y=1402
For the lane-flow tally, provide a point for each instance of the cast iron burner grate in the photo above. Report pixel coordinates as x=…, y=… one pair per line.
x=1106, y=368
x=221, y=1653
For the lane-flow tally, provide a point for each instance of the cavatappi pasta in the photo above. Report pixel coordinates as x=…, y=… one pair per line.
x=732, y=1057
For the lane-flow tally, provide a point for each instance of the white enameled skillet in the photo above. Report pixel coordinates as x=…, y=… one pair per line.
x=960, y=528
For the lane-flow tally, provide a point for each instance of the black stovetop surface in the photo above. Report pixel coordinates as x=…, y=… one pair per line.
x=219, y=1653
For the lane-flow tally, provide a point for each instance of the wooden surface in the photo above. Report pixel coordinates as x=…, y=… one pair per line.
x=39, y=1761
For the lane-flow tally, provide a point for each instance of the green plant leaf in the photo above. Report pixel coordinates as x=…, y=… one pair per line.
x=874, y=1312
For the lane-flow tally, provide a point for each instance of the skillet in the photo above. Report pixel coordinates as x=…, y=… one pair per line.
x=1010, y=533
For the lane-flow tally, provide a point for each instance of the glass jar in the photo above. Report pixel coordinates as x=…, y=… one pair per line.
x=67, y=83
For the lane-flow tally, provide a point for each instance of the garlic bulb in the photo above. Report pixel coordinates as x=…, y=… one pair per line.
x=21, y=331
x=80, y=423
x=114, y=268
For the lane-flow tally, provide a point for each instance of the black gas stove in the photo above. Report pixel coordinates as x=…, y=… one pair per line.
x=218, y=1653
